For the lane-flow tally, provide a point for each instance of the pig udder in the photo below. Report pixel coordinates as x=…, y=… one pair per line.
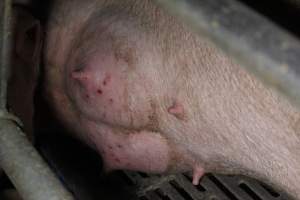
x=126, y=137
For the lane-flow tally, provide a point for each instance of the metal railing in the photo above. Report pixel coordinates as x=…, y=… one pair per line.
x=24, y=166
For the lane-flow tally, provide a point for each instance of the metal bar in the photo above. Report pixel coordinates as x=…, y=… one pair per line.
x=25, y=168
x=21, y=162
x=258, y=44
x=5, y=48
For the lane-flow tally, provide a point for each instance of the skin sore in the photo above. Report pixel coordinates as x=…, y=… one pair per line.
x=99, y=91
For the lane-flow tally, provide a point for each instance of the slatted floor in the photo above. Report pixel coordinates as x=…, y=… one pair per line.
x=212, y=187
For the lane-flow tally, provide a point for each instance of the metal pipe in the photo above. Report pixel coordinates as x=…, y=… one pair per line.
x=257, y=43
x=5, y=48
x=25, y=168
x=21, y=162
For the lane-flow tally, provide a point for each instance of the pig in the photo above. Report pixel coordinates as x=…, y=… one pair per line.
x=149, y=94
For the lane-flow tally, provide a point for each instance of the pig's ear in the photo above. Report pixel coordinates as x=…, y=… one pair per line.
x=28, y=38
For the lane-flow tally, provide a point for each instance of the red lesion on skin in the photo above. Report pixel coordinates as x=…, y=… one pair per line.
x=99, y=91
x=111, y=100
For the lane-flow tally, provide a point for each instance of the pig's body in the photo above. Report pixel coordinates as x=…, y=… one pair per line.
x=150, y=95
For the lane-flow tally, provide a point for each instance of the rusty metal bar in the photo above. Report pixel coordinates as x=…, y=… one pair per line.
x=21, y=162
x=257, y=43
